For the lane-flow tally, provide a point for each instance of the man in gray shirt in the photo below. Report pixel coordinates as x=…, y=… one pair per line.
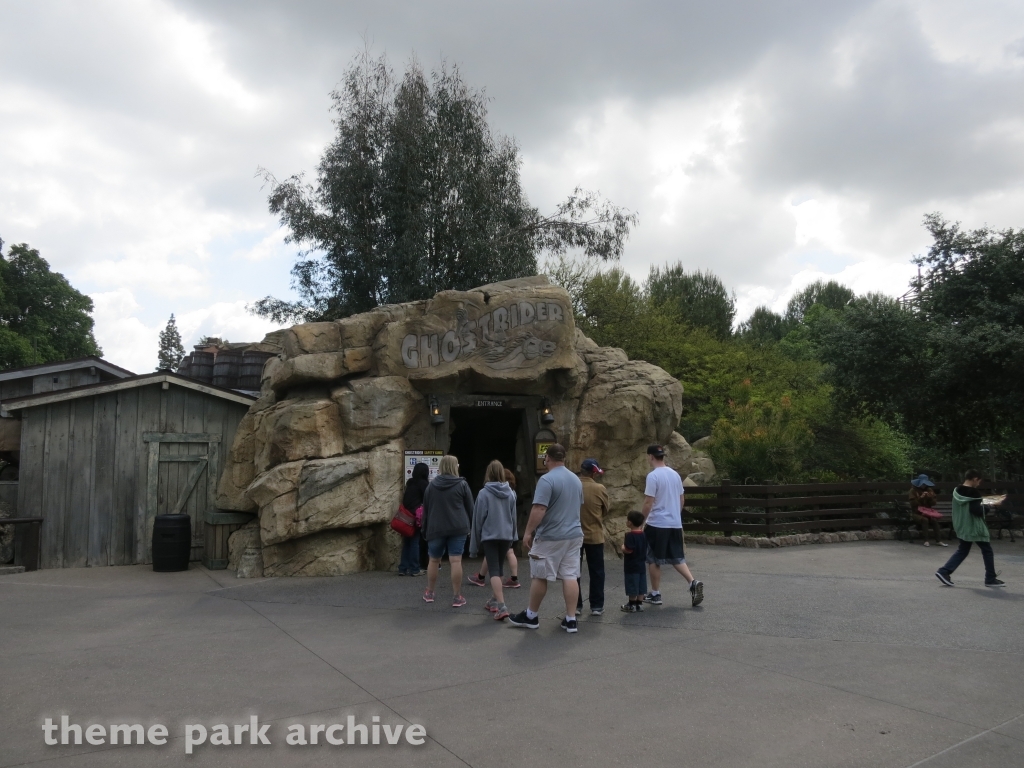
x=554, y=538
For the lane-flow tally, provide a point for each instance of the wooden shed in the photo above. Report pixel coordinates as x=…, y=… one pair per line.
x=99, y=462
x=47, y=377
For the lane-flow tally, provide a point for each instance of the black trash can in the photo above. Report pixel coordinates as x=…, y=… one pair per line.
x=172, y=542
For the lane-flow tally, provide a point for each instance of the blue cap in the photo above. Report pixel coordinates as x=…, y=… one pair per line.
x=921, y=480
x=591, y=465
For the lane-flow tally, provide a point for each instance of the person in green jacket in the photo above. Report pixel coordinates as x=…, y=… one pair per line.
x=971, y=528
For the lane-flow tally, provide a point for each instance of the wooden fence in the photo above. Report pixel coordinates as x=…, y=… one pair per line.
x=770, y=510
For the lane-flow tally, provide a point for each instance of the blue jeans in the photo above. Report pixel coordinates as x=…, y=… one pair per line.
x=410, y=562
x=455, y=545
x=595, y=566
x=961, y=554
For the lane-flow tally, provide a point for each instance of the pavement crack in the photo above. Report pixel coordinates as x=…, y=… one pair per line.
x=965, y=741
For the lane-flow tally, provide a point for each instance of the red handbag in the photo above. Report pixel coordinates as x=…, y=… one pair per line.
x=404, y=522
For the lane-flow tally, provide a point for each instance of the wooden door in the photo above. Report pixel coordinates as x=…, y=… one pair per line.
x=181, y=478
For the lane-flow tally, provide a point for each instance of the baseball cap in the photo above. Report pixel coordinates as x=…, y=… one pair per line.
x=657, y=451
x=591, y=465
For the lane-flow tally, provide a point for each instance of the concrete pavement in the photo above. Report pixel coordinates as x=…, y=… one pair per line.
x=828, y=655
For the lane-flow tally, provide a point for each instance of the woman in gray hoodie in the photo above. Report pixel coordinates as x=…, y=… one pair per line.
x=494, y=530
x=447, y=510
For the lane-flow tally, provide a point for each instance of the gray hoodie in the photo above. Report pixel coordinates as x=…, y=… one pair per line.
x=494, y=518
x=447, y=507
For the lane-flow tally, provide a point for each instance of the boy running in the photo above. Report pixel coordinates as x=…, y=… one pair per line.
x=971, y=528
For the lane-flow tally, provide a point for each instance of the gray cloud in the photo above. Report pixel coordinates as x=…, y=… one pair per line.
x=770, y=142
x=899, y=125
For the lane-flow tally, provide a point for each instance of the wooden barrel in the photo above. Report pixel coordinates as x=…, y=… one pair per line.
x=202, y=366
x=172, y=542
x=185, y=366
x=251, y=373
x=225, y=368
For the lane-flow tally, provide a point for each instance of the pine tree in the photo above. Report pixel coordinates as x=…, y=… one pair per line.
x=171, y=350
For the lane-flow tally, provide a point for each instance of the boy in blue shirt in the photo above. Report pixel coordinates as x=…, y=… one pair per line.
x=634, y=563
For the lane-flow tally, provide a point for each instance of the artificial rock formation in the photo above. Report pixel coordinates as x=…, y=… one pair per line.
x=319, y=456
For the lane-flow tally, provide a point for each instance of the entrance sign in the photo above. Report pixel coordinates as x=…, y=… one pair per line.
x=513, y=336
x=490, y=403
x=509, y=337
x=431, y=458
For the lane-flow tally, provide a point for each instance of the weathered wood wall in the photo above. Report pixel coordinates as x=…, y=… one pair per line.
x=76, y=377
x=85, y=465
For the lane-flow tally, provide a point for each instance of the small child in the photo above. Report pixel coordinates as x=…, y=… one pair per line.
x=634, y=551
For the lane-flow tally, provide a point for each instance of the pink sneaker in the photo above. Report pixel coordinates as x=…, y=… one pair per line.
x=428, y=596
x=502, y=613
x=509, y=584
x=458, y=601
x=477, y=581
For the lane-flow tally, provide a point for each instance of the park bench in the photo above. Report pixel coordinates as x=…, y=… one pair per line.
x=997, y=518
x=771, y=510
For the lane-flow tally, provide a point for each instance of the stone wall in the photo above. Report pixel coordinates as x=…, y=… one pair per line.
x=320, y=455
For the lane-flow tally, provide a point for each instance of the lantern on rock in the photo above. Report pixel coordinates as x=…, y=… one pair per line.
x=436, y=417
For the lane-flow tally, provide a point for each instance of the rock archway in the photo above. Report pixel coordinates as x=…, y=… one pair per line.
x=320, y=456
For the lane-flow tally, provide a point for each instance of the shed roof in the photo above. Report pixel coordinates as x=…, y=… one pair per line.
x=43, y=369
x=142, y=380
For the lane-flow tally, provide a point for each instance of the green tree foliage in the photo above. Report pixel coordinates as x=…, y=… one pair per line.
x=831, y=295
x=416, y=194
x=171, y=349
x=573, y=274
x=615, y=311
x=771, y=413
x=697, y=299
x=761, y=440
x=805, y=309
x=42, y=318
x=971, y=303
x=949, y=365
x=876, y=353
x=762, y=327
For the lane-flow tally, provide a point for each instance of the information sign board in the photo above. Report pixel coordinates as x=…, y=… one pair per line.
x=431, y=458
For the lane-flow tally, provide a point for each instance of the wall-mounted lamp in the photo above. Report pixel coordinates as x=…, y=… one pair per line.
x=435, y=412
x=546, y=416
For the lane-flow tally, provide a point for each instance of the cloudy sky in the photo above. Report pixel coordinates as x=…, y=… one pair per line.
x=774, y=143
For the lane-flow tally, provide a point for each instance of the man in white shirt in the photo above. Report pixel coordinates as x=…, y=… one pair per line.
x=663, y=517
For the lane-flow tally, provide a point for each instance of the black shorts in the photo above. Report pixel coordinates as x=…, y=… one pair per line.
x=664, y=545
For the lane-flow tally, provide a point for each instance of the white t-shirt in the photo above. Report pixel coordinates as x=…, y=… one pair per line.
x=665, y=485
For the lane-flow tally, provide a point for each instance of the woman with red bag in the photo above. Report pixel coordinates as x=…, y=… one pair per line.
x=922, y=504
x=409, y=565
